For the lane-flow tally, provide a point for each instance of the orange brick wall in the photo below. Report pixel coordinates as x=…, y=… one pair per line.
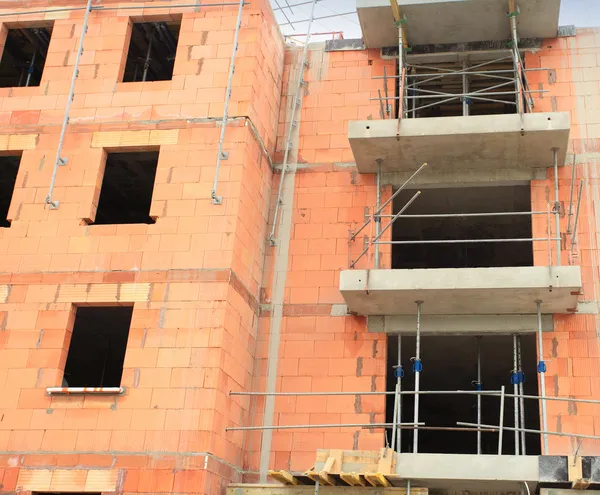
x=193, y=277
x=572, y=350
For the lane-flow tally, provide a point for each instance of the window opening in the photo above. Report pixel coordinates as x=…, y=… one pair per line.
x=152, y=49
x=9, y=166
x=97, y=349
x=467, y=200
x=450, y=363
x=127, y=185
x=24, y=56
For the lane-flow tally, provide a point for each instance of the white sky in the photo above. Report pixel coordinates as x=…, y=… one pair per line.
x=582, y=13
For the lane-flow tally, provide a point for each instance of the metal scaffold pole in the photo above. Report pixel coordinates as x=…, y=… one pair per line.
x=377, y=206
x=513, y=11
x=521, y=376
x=399, y=375
x=58, y=160
x=479, y=387
x=295, y=107
x=556, y=207
x=417, y=368
x=542, y=372
x=221, y=155
x=515, y=383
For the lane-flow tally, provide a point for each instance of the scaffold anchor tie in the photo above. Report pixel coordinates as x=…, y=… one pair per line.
x=541, y=367
x=417, y=365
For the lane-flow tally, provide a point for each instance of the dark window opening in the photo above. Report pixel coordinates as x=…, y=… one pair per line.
x=450, y=363
x=97, y=349
x=127, y=185
x=24, y=56
x=500, y=199
x=151, y=55
x=9, y=166
x=424, y=79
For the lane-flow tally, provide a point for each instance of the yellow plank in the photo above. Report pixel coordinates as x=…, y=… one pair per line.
x=377, y=479
x=284, y=477
x=353, y=479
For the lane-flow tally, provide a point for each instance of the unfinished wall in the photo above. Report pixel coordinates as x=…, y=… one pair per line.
x=572, y=350
x=193, y=277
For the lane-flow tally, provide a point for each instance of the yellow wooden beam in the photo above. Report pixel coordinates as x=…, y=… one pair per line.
x=284, y=477
x=397, y=19
x=353, y=479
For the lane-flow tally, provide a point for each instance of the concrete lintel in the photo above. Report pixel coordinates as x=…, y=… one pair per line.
x=431, y=177
x=453, y=21
x=482, y=142
x=462, y=291
x=459, y=324
x=466, y=467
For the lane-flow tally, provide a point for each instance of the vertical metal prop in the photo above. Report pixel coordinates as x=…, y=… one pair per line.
x=399, y=384
x=288, y=139
x=58, y=160
x=556, y=207
x=521, y=393
x=479, y=388
x=401, y=72
x=31, y=65
x=515, y=54
x=501, y=423
x=395, y=421
x=417, y=370
x=542, y=373
x=516, y=394
x=217, y=200
x=579, y=195
x=465, y=84
x=377, y=206
x=148, y=53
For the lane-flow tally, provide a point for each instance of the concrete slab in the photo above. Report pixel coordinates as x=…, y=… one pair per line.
x=455, y=21
x=457, y=143
x=461, y=291
x=460, y=324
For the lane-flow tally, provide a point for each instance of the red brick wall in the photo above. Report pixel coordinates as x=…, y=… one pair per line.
x=194, y=276
x=571, y=351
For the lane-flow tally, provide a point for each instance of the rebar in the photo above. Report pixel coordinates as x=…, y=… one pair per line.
x=556, y=207
x=396, y=216
x=417, y=369
x=528, y=430
x=58, y=160
x=501, y=427
x=215, y=198
x=573, y=168
x=542, y=373
x=579, y=195
x=405, y=183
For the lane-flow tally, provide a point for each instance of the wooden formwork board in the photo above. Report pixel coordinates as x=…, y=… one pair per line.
x=265, y=489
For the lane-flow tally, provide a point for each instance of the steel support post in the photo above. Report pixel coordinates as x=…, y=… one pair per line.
x=512, y=13
x=542, y=373
x=573, y=168
x=58, y=160
x=148, y=55
x=401, y=72
x=417, y=368
x=399, y=384
x=465, y=88
x=521, y=392
x=395, y=415
x=556, y=207
x=31, y=65
x=501, y=422
x=516, y=393
x=479, y=388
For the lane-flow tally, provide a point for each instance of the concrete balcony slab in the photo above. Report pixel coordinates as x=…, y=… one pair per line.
x=461, y=291
x=487, y=142
x=455, y=21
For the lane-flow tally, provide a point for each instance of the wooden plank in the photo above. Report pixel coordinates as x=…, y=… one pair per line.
x=322, y=477
x=353, y=479
x=284, y=477
x=385, y=461
x=575, y=469
x=376, y=479
x=265, y=489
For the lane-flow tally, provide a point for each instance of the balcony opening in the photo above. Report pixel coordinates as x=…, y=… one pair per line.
x=126, y=193
x=416, y=231
x=430, y=89
x=450, y=363
x=97, y=349
x=9, y=166
x=152, y=49
x=24, y=56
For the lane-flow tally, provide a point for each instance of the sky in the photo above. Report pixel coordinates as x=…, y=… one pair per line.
x=582, y=13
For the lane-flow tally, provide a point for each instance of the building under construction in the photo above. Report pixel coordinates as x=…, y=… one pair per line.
x=235, y=264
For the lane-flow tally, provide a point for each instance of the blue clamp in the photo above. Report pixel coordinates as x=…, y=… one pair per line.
x=514, y=378
x=398, y=371
x=478, y=385
x=417, y=365
x=30, y=69
x=541, y=367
